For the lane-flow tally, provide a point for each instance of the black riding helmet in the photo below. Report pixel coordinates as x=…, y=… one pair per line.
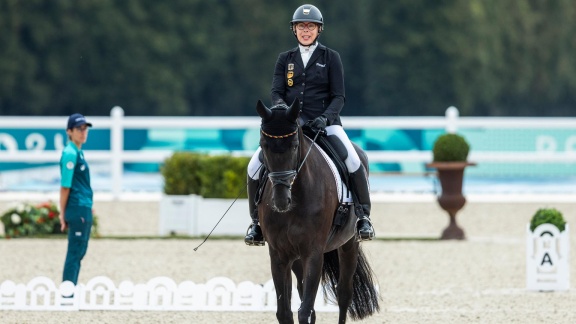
x=306, y=13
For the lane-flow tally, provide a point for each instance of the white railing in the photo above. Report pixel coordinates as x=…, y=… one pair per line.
x=117, y=123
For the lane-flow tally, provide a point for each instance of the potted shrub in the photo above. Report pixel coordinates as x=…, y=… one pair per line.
x=547, y=251
x=450, y=153
x=198, y=190
x=548, y=216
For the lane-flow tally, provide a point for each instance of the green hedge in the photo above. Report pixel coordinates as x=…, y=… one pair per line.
x=220, y=176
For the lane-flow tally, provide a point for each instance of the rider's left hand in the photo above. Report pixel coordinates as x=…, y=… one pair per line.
x=318, y=124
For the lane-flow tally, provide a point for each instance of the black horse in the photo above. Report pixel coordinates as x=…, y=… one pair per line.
x=297, y=211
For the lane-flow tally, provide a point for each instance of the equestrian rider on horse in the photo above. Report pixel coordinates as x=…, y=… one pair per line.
x=312, y=74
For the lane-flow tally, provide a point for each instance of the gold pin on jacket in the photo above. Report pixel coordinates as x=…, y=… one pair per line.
x=290, y=82
x=290, y=74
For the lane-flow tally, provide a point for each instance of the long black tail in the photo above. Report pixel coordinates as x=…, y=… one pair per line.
x=365, y=300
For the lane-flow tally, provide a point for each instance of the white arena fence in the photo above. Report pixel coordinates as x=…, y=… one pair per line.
x=550, y=152
x=158, y=294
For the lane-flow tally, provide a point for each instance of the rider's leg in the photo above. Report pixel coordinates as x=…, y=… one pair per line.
x=358, y=183
x=254, y=234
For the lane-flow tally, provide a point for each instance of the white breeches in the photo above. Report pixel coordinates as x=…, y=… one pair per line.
x=352, y=161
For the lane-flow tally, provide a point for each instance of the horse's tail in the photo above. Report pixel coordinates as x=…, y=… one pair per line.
x=365, y=300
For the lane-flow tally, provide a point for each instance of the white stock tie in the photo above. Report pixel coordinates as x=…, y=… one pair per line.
x=305, y=55
x=306, y=52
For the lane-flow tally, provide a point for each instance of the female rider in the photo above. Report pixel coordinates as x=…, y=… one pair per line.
x=313, y=74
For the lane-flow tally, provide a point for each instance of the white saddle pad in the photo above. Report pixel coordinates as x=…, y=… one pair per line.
x=343, y=192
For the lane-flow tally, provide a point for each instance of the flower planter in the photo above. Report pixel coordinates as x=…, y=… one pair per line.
x=197, y=216
x=451, y=176
x=547, y=258
x=176, y=214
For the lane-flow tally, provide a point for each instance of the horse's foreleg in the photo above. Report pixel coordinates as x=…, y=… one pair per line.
x=299, y=273
x=282, y=278
x=347, y=262
x=312, y=267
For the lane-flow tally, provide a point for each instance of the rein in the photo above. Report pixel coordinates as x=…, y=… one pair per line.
x=309, y=149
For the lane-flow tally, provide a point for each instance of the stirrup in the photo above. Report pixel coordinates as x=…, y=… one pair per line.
x=254, y=240
x=365, y=236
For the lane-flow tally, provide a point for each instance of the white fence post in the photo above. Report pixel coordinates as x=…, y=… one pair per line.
x=452, y=115
x=117, y=150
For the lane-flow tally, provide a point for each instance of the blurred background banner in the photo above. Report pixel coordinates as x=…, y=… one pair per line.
x=215, y=139
x=506, y=148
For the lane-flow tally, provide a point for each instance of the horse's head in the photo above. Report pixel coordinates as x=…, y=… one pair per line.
x=280, y=144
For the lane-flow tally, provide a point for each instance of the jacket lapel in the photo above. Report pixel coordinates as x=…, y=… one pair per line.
x=319, y=51
x=297, y=58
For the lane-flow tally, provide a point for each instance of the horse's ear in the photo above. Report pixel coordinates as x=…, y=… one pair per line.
x=262, y=110
x=294, y=110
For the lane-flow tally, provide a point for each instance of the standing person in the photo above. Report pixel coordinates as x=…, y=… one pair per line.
x=75, y=196
x=313, y=74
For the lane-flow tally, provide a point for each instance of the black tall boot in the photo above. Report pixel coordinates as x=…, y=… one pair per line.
x=254, y=235
x=359, y=185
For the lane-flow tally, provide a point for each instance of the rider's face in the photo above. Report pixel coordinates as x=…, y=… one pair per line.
x=306, y=32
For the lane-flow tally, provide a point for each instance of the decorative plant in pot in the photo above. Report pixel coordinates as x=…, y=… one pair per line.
x=450, y=153
x=548, y=216
x=198, y=189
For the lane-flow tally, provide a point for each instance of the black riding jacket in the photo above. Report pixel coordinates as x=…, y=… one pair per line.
x=319, y=87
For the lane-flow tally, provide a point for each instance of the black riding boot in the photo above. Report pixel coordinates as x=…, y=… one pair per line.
x=359, y=185
x=254, y=235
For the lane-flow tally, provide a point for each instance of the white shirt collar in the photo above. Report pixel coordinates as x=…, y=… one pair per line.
x=308, y=49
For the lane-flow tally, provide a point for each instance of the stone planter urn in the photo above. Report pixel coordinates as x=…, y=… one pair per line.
x=451, y=176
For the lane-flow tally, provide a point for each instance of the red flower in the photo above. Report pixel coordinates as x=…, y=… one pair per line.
x=51, y=215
